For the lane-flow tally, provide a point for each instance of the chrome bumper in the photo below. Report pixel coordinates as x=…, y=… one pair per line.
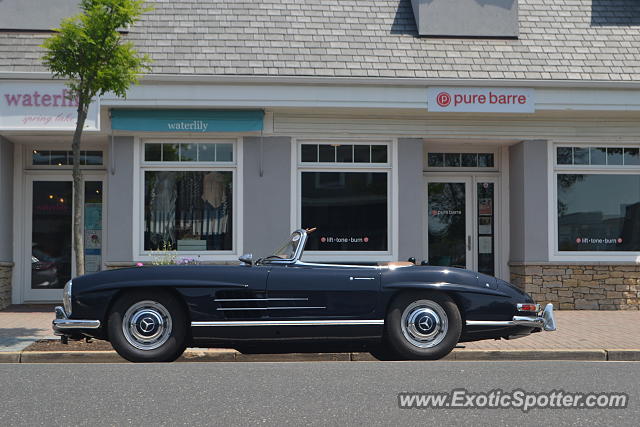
x=62, y=323
x=546, y=321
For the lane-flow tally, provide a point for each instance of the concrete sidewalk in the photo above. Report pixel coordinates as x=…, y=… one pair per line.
x=581, y=335
x=22, y=325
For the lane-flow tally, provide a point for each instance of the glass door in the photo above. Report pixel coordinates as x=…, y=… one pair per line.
x=49, y=262
x=449, y=222
x=462, y=222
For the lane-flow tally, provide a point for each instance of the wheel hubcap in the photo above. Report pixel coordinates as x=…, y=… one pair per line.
x=424, y=323
x=147, y=325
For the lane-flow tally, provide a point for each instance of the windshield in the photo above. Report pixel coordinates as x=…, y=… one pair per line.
x=288, y=250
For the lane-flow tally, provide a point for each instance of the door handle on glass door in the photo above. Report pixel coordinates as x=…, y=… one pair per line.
x=469, y=243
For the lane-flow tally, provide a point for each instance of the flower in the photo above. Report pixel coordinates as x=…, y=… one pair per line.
x=139, y=264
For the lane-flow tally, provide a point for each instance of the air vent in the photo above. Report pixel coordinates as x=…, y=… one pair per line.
x=466, y=18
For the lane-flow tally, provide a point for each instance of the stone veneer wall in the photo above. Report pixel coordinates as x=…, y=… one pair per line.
x=581, y=287
x=5, y=284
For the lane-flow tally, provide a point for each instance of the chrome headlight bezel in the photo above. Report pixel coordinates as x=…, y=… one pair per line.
x=66, y=297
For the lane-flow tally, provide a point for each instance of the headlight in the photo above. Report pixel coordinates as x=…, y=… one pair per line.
x=66, y=298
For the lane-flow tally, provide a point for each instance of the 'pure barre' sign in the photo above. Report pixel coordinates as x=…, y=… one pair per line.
x=481, y=100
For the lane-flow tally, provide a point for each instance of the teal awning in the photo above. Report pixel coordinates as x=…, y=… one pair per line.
x=187, y=120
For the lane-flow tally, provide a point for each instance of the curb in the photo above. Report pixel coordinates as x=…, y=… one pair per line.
x=229, y=355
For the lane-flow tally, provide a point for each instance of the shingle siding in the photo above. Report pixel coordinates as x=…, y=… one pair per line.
x=559, y=39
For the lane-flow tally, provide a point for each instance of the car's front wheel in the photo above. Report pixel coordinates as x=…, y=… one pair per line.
x=148, y=327
x=424, y=325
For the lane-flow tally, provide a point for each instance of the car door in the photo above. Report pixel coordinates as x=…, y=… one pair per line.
x=315, y=291
x=235, y=293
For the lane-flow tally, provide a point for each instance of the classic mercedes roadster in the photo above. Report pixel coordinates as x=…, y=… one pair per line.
x=151, y=314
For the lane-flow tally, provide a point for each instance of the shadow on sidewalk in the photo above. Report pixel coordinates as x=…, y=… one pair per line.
x=29, y=308
x=12, y=336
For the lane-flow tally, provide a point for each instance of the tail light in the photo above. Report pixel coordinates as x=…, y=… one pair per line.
x=533, y=308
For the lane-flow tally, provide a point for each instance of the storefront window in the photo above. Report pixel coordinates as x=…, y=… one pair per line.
x=345, y=195
x=349, y=209
x=188, y=210
x=188, y=207
x=598, y=212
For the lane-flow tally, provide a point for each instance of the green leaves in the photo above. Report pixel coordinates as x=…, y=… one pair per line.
x=89, y=52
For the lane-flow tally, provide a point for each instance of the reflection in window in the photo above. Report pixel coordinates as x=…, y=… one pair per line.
x=188, y=152
x=598, y=212
x=456, y=160
x=349, y=210
x=446, y=207
x=343, y=153
x=65, y=158
x=598, y=156
x=188, y=210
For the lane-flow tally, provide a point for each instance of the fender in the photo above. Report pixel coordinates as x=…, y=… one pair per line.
x=160, y=283
x=445, y=287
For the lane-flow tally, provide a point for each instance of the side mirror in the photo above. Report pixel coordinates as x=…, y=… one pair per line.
x=247, y=259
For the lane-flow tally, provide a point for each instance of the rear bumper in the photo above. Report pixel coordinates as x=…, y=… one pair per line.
x=545, y=321
x=62, y=325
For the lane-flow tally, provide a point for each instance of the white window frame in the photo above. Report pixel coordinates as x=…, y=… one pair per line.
x=479, y=149
x=298, y=167
x=589, y=256
x=28, y=158
x=139, y=253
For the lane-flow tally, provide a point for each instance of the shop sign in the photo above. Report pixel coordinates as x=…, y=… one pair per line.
x=42, y=106
x=481, y=100
x=187, y=120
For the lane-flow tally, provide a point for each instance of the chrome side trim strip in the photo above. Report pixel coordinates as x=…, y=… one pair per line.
x=268, y=308
x=490, y=323
x=291, y=323
x=258, y=299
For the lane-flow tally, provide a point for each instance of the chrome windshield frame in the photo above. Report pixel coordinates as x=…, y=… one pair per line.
x=297, y=254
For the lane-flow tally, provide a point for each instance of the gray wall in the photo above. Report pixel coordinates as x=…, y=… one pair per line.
x=529, y=201
x=6, y=196
x=267, y=198
x=411, y=199
x=35, y=14
x=120, y=202
x=478, y=18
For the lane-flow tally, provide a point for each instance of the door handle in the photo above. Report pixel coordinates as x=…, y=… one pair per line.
x=469, y=242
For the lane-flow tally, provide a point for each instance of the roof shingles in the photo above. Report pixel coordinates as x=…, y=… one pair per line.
x=559, y=39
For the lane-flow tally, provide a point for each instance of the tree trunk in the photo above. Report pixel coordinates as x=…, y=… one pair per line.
x=78, y=190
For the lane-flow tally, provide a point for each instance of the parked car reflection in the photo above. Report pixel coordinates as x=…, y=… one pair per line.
x=44, y=274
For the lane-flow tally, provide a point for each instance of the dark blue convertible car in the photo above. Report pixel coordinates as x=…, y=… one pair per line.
x=151, y=314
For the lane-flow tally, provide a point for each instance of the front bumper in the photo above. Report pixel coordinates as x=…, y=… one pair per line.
x=62, y=325
x=545, y=321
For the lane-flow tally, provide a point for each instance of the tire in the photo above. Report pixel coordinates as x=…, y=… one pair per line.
x=423, y=325
x=157, y=328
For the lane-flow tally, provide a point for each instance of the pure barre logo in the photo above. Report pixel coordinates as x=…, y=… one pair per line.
x=498, y=100
x=443, y=99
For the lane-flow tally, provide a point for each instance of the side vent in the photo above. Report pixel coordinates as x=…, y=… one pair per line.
x=466, y=18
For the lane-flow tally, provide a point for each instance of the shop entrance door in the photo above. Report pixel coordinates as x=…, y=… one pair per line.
x=49, y=261
x=461, y=222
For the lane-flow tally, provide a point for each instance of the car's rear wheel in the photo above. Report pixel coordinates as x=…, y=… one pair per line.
x=423, y=325
x=147, y=326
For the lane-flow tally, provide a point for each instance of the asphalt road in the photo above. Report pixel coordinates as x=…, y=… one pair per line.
x=311, y=393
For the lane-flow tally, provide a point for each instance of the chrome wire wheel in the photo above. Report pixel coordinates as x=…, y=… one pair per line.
x=424, y=323
x=146, y=325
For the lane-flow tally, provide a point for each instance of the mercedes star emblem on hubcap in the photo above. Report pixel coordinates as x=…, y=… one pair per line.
x=426, y=323
x=147, y=324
